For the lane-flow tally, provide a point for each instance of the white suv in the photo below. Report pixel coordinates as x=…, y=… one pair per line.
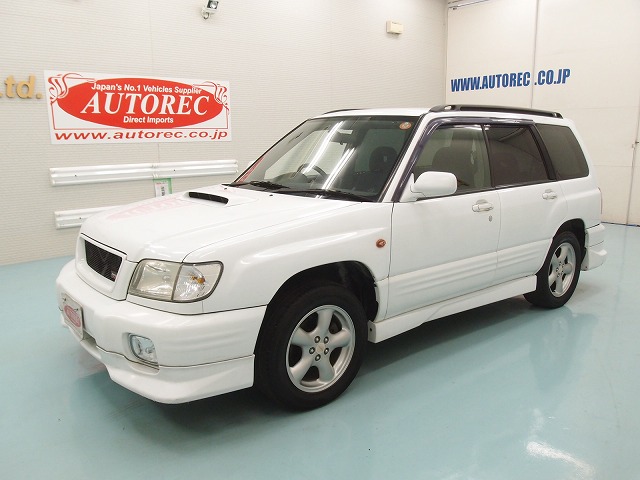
x=357, y=226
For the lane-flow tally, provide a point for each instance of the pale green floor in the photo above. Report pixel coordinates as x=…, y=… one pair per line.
x=506, y=391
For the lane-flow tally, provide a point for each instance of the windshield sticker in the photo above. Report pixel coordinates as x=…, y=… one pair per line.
x=405, y=125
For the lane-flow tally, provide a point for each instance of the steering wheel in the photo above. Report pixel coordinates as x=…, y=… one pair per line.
x=313, y=167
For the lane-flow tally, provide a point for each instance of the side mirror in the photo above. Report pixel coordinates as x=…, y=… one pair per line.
x=430, y=184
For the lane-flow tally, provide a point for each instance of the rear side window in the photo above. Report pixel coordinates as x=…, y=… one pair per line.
x=514, y=155
x=566, y=155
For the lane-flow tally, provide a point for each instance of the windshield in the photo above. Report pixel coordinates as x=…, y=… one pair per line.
x=338, y=157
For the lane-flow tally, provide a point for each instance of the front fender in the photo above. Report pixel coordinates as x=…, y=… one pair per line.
x=256, y=265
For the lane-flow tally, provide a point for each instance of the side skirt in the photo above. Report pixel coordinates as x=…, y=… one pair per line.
x=390, y=327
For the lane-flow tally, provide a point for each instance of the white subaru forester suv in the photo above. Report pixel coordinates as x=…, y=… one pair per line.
x=357, y=226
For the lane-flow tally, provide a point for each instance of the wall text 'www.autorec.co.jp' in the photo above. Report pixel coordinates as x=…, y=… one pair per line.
x=510, y=80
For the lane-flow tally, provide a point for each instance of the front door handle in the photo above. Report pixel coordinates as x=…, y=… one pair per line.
x=549, y=195
x=482, y=206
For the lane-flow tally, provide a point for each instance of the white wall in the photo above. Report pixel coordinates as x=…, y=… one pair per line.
x=599, y=41
x=285, y=60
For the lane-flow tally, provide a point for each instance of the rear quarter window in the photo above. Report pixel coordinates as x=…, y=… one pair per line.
x=566, y=155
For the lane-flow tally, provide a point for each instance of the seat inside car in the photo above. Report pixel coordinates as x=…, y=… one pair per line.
x=381, y=163
x=456, y=159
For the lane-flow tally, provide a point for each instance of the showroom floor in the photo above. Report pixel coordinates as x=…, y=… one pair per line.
x=505, y=391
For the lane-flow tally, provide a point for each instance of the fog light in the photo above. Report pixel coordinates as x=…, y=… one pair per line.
x=143, y=348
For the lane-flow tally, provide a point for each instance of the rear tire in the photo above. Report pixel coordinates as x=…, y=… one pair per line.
x=311, y=346
x=558, y=277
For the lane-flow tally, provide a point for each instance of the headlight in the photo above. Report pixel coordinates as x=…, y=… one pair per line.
x=174, y=282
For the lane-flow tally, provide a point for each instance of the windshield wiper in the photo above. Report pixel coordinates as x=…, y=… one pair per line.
x=312, y=191
x=330, y=193
x=259, y=183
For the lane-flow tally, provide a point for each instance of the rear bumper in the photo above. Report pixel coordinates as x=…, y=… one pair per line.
x=595, y=254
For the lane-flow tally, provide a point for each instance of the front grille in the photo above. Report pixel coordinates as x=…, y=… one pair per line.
x=105, y=263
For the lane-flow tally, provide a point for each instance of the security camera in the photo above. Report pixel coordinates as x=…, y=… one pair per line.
x=210, y=7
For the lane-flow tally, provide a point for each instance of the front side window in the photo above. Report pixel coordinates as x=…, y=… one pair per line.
x=457, y=149
x=515, y=157
x=333, y=157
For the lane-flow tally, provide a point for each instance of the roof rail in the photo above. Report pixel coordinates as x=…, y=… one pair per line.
x=494, y=108
x=341, y=110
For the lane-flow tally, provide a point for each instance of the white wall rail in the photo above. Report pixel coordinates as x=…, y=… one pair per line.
x=75, y=218
x=139, y=171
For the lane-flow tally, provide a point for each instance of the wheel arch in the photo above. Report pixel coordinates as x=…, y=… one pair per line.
x=577, y=227
x=352, y=275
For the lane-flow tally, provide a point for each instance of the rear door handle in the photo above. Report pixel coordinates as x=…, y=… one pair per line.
x=549, y=195
x=482, y=206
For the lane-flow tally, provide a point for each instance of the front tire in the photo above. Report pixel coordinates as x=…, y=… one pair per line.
x=558, y=277
x=311, y=346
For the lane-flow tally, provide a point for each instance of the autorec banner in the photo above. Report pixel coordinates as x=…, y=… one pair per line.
x=97, y=108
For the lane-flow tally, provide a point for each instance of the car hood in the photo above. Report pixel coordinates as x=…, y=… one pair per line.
x=171, y=227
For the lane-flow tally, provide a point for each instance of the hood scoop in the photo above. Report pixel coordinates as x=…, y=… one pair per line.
x=209, y=196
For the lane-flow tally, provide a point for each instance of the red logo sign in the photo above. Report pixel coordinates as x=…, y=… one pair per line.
x=92, y=108
x=140, y=103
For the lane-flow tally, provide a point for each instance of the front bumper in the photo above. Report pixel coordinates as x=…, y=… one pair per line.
x=198, y=355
